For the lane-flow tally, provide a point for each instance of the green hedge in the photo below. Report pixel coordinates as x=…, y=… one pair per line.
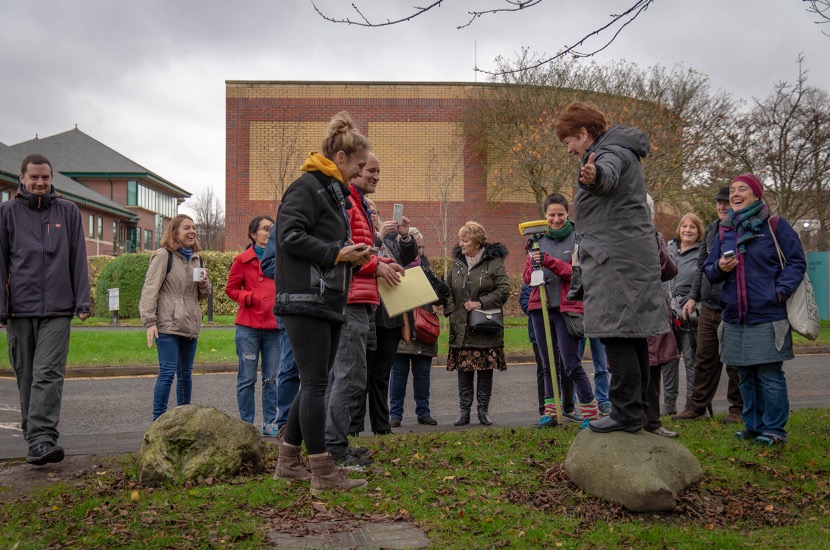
x=126, y=272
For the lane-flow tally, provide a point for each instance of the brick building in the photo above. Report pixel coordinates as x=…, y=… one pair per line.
x=415, y=131
x=124, y=206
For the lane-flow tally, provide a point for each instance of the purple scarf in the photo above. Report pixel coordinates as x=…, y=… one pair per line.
x=748, y=223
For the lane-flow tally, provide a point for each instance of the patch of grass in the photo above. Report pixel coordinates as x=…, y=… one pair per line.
x=477, y=488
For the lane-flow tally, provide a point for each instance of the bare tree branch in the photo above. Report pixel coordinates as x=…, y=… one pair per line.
x=365, y=21
x=210, y=219
x=822, y=9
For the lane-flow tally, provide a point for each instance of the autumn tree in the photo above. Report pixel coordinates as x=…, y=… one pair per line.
x=513, y=125
x=209, y=216
x=285, y=154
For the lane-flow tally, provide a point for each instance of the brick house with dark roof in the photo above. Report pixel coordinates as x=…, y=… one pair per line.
x=124, y=206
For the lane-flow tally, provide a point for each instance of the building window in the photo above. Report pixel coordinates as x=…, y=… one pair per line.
x=91, y=226
x=132, y=193
x=100, y=228
x=148, y=239
x=114, y=231
x=131, y=245
x=4, y=196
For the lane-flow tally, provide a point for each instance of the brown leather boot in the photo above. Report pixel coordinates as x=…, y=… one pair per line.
x=290, y=466
x=325, y=475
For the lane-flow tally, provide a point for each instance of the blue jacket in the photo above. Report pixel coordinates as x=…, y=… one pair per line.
x=767, y=285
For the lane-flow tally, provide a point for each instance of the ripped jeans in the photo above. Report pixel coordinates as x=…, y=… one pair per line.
x=251, y=344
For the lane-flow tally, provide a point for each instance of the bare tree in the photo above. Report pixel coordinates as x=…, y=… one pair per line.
x=210, y=219
x=785, y=140
x=444, y=205
x=596, y=40
x=286, y=155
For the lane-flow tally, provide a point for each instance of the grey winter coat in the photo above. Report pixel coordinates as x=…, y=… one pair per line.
x=486, y=282
x=615, y=235
x=680, y=287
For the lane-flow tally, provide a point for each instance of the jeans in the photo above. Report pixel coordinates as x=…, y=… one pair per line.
x=288, y=379
x=766, y=405
x=421, y=367
x=347, y=379
x=602, y=378
x=38, y=347
x=251, y=344
x=176, y=354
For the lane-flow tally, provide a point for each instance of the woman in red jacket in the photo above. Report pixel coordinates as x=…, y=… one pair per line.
x=257, y=334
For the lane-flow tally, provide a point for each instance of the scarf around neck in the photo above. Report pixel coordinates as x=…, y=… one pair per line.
x=748, y=223
x=317, y=162
x=562, y=232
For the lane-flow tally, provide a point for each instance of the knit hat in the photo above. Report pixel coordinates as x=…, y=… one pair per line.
x=753, y=182
x=723, y=194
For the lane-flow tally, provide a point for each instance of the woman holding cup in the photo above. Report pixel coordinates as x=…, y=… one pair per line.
x=175, y=282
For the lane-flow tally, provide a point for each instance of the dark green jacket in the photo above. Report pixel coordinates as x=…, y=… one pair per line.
x=486, y=282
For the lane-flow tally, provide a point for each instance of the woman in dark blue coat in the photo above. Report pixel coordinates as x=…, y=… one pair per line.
x=756, y=335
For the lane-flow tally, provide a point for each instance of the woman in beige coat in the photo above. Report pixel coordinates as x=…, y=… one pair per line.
x=170, y=309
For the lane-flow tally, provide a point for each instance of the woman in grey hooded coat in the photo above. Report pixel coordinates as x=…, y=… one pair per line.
x=624, y=302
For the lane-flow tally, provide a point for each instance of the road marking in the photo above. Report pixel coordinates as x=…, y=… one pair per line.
x=15, y=426
x=13, y=409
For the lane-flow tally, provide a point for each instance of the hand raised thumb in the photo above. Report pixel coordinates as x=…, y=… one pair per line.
x=591, y=159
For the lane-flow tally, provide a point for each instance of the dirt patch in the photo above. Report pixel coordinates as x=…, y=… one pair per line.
x=18, y=479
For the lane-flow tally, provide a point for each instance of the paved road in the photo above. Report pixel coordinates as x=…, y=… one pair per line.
x=108, y=415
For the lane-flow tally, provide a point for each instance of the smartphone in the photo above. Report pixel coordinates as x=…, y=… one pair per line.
x=729, y=254
x=397, y=213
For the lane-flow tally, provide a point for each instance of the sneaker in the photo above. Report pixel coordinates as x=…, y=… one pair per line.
x=546, y=422
x=688, y=414
x=573, y=416
x=428, y=420
x=395, y=422
x=359, y=451
x=270, y=429
x=44, y=453
x=354, y=463
x=732, y=418
x=605, y=408
x=746, y=434
x=769, y=440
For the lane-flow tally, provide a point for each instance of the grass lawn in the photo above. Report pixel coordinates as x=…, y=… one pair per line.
x=479, y=488
x=107, y=348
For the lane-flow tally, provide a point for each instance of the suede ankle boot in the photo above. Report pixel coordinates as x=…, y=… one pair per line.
x=290, y=466
x=325, y=475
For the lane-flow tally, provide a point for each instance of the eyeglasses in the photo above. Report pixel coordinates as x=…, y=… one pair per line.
x=266, y=228
x=421, y=247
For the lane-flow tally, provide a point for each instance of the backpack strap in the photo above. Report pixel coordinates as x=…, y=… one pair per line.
x=773, y=223
x=169, y=262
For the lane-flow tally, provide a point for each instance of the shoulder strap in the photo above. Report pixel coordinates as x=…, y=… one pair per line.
x=169, y=261
x=773, y=225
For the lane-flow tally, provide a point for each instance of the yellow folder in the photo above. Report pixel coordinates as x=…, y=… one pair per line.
x=413, y=291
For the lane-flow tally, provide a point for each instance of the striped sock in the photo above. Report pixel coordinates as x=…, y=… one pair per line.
x=550, y=407
x=589, y=411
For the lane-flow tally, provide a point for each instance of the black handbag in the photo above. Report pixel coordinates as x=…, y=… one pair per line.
x=485, y=320
x=575, y=323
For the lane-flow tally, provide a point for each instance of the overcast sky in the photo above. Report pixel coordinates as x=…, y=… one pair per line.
x=148, y=78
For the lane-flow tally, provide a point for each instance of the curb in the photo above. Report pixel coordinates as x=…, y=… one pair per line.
x=230, y=368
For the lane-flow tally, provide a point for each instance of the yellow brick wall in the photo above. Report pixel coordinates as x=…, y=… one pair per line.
x=419, y=161
x=277, y=149
x=345, y=90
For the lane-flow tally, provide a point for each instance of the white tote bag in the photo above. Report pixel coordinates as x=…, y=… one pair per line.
x=802, y=311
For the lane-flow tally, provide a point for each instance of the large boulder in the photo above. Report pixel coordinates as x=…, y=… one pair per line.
x=643, y=472
x=192, y=442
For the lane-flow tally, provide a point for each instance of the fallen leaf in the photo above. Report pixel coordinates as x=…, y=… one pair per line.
x=134, y=495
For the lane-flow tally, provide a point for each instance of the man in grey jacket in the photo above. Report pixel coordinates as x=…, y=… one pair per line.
x=45, y=271
x=708, y=366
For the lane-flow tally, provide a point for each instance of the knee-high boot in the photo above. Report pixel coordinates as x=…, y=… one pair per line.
x=465, y=396
x=484, y=390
